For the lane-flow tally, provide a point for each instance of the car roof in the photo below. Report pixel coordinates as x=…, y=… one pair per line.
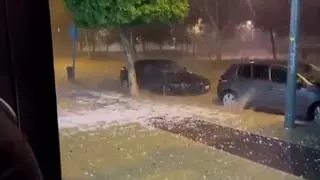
x=154, y=61
x=281, y=62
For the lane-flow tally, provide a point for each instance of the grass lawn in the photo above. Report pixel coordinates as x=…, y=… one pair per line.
x=132, y=152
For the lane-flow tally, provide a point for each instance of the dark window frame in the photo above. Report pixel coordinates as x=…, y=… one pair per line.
x=252, y=72
x=242, y=65
x=28, y=36
x=231, y=72
x=279, y=68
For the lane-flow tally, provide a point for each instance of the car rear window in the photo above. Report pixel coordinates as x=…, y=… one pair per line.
x=244, y=71
x=278, y=75
x=261, y=72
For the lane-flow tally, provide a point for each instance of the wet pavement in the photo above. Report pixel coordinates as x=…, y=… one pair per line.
x=278, y=154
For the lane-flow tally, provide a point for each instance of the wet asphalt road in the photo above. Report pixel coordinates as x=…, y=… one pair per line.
x=278, y=154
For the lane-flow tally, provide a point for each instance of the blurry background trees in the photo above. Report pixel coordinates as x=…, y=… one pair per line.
x=218, y=18
x=226, y=27
x=272, y=17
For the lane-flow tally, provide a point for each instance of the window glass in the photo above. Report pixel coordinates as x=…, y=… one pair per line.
x=147, y=69
x=164, y=68
x=261, y=72
x=245, y=71
x=279, y=75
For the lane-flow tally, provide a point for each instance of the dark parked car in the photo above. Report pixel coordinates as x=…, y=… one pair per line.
x=262, y=84
x=166, y=77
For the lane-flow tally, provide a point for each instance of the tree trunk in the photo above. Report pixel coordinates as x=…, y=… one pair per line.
x=86, y=38
x=194, y=49
x=134, y=50
x=160, y=46
x=183, y=45
x=218, y=30
x=93, y=40
x=107, y=45
x=133, y=45
x=80, y=45
x=218, y=52
x=128, y=51
x=273, y=44
x=209, y=51
x=304, y=54
x=107, y=49
x=218, y=47
x=143, y=46
x=187, y=46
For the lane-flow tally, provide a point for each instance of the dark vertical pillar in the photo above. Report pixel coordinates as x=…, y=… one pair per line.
x=290, y=115
x=31, y=57
x=6, y=78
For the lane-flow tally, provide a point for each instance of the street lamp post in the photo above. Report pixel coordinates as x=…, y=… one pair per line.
x=292, y=65
x=74, y=34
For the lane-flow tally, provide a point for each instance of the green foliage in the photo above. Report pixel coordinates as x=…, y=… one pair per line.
x=120, y=13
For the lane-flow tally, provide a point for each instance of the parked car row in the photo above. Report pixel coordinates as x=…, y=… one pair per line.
x=257, y=84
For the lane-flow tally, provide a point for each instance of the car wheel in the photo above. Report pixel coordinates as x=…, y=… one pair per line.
x=166, y=90
x=229, y=99
x=316, y=113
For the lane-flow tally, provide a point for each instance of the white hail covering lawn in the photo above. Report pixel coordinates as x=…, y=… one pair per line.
x=104, y=109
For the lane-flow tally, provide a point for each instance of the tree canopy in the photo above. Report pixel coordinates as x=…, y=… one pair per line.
x=120, y=13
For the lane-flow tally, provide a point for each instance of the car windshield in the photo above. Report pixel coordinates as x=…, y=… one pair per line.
x=310, y=72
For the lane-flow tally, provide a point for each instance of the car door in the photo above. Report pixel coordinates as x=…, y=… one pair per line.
x=242, y=84
x=260, y=83
x=278, y=88
x=144, y=74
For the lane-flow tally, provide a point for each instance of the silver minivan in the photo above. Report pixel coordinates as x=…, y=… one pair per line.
x=262, y=84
